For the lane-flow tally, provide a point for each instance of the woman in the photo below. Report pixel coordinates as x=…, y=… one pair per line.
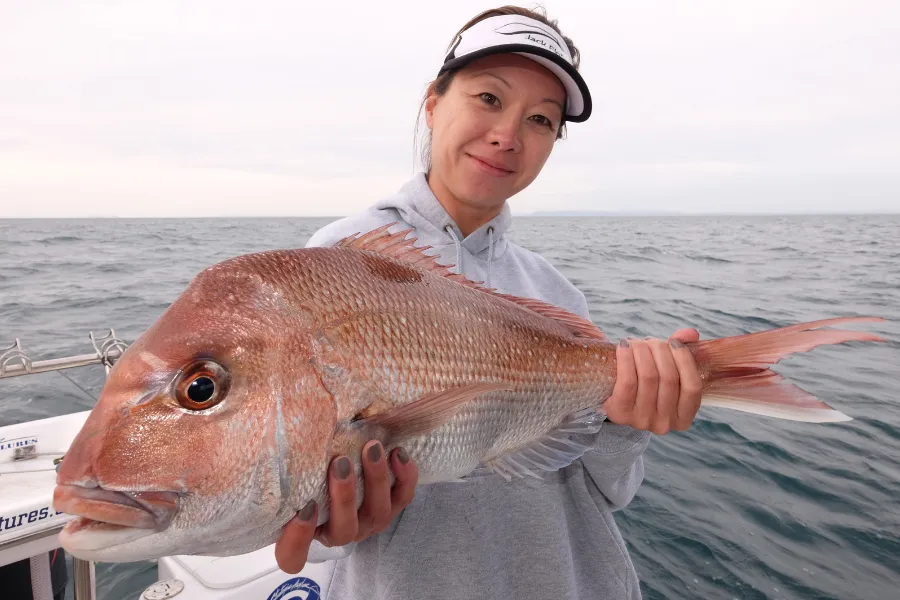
x=500, y=102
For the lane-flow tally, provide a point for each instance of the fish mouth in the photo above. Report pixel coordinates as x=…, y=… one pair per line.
x=99, y=508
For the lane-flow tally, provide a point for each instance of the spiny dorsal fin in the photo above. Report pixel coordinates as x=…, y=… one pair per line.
x=398, y=247
x=394, y=245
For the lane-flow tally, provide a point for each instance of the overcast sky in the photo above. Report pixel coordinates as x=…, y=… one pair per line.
x=221, y=108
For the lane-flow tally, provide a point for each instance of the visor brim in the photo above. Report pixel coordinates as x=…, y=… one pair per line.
x=578, y=98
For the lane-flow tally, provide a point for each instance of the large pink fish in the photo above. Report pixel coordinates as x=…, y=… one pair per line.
x=218, y=424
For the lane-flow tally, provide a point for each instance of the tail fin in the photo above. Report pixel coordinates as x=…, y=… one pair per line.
x=737, y=374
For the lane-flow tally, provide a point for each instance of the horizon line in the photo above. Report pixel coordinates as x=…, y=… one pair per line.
x=535, y=214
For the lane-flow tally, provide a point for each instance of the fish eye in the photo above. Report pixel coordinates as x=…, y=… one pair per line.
x=201, y=385
x=202, y=389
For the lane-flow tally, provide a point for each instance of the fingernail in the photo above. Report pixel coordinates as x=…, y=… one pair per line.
x=375, y=452
x=402, y=456
x=342, y=467
x=307, y=511
x=624, y=343
x=676, y=343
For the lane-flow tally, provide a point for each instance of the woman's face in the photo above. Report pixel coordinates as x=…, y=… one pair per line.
x=493, y=130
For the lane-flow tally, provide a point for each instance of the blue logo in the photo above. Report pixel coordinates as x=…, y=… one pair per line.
x=293, y=589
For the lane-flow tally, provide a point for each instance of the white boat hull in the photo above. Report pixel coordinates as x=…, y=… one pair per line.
x=247, y=577
x=29, y=526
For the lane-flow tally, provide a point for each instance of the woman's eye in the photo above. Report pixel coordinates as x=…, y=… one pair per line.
x=542, y=120
x=490, y=98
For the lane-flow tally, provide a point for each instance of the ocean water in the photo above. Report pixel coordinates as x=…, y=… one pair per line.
x=737, y=507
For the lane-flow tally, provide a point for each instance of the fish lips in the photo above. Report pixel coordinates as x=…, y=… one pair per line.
x=152, y=511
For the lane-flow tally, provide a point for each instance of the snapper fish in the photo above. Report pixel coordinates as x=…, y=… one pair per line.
x=219, y=422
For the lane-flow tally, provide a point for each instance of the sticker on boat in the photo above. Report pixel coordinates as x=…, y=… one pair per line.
x=20, y=442
x=298, y=588
x=12, y=521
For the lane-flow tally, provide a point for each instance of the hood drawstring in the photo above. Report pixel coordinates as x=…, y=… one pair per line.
x=490, y=232
x=452, y=233
x=456, y=241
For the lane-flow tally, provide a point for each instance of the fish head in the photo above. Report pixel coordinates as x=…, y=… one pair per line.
x=186, y=450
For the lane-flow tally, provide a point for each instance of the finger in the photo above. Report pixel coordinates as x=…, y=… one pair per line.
x=648, y=386
x=691, y=385
x=407, y=477
x=375, y=512
x=342, y=522
x=292, y=548
x=669, y=387
x=620, y=404
x=686, y=335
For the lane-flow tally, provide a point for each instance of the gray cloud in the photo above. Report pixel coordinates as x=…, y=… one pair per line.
x=173, y=108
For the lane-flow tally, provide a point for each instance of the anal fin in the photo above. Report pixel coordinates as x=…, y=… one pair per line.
x=551, y=452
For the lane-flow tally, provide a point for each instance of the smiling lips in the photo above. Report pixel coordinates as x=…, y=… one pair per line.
x=491, y=167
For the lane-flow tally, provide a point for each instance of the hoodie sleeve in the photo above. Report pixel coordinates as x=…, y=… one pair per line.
x=331, y=233
x=319, y=553
x=337, y=230
x=615, y=462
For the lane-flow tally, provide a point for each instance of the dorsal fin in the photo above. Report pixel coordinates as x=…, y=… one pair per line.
x=394, y=245
x=398, y=247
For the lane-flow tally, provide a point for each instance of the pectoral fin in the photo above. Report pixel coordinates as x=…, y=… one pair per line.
x=428, y=413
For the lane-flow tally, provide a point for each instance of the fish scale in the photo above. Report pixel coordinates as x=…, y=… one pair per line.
x=312, y=353
x=449, y=340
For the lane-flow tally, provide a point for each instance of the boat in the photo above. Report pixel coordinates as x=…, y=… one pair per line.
x=29, y=525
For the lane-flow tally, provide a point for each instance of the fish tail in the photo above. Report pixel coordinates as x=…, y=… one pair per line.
x=736, y=373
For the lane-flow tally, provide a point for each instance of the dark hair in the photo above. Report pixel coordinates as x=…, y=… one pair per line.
x=441, y=84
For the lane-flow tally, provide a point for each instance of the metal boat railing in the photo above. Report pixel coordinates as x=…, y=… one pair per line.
x=107, y=350
x=14, y=362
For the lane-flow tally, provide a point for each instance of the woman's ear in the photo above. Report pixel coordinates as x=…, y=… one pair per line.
x=431, y=100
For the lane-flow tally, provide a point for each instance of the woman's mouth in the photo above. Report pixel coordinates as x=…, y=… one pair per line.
x=490, y=167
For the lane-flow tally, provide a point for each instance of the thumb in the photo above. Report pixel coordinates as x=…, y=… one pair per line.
x=292, y=548
x=686, y=335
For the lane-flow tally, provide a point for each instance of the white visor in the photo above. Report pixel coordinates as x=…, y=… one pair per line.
x=526, y=37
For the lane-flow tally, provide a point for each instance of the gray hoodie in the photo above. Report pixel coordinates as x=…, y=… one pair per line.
x=486, y=538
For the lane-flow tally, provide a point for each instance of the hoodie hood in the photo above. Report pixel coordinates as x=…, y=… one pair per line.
x=418, y=206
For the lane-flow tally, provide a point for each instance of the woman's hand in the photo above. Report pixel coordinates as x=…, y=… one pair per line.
x=657, y=384
x=381, y=505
